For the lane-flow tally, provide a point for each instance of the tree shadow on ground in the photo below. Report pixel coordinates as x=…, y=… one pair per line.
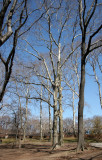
x=66, y=152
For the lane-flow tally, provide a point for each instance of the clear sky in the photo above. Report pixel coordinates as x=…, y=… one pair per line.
x=92, y=98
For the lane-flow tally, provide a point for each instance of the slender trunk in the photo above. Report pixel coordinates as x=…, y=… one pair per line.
x=80, y=145
x=55, y=135
x=74, y=133
x=60, y=98
x=20, y=131
x=25, y=126
x=41, y=137
x=73, y=117
x=50, y=124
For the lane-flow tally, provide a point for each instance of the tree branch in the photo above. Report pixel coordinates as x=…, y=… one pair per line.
x=90, y=39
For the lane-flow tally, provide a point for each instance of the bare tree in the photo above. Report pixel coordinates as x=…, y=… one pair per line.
x=88, y=44
x=8, y=12
x=13, y=17
x=52, y=62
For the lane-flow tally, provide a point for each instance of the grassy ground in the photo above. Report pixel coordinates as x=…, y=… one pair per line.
x=8, y=140
x=66, y=140
x=12, y=140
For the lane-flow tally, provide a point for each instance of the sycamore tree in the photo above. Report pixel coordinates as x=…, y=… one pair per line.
x=51, y=36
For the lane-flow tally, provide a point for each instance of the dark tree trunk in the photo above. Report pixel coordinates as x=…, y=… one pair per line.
x=80, y=145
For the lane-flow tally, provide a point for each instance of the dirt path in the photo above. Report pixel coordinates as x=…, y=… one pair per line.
x=42, y=151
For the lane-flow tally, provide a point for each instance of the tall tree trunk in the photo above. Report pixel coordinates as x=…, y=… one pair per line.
x=86, y=16
x=60, y=117
x=50, y=124
x=60, y=97
x=73, y=117
x=80, y=145
x=55, y=135
x=41, y=137
x=74, y=123
x=60, y=112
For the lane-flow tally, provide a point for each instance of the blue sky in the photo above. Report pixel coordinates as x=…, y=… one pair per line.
x=92, y=98
x=91, y=90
